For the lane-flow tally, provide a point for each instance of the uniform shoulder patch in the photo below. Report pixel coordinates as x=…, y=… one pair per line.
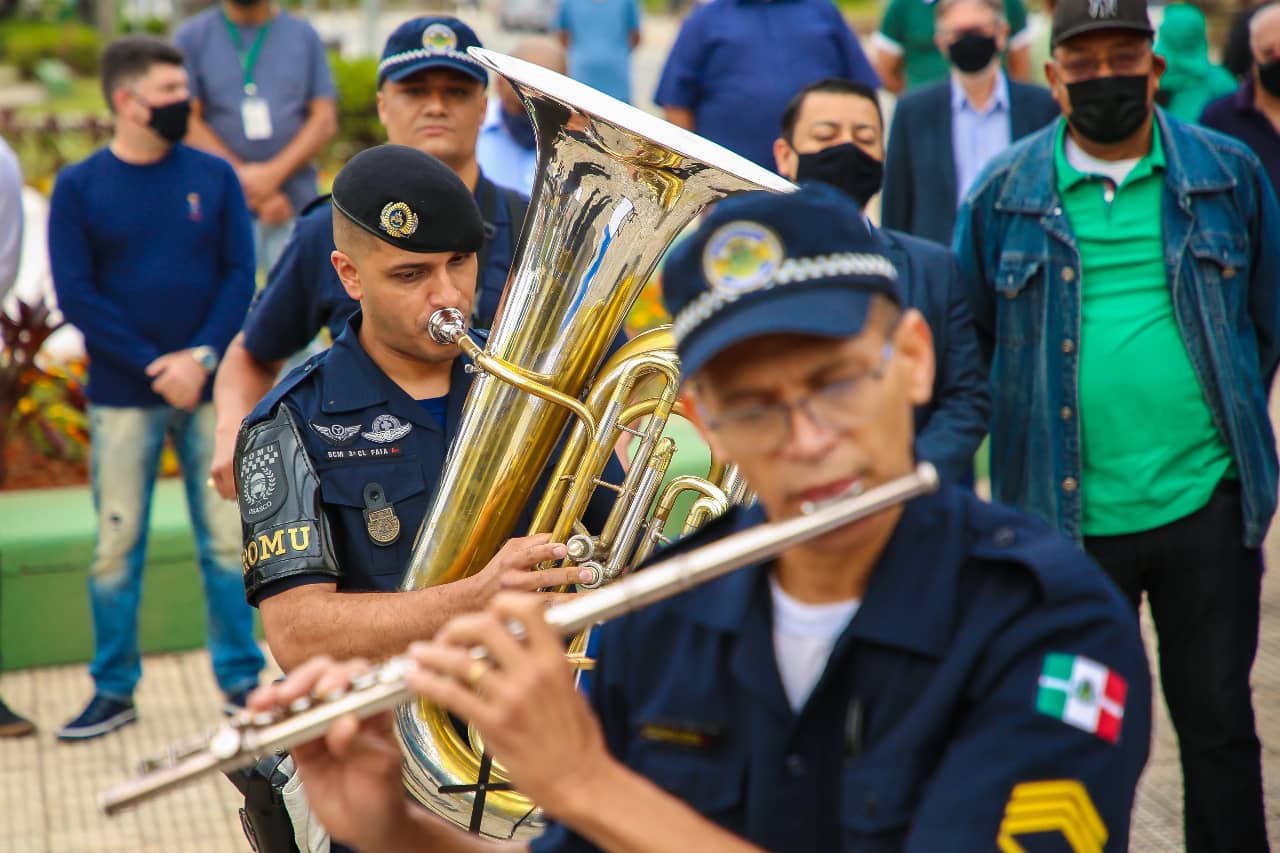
x=1082, y=693
x=1060, y=807
x=262, y=486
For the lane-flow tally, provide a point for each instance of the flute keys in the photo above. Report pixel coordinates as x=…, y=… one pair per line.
x=365, y=681
x=225, y=743
x=302, y=703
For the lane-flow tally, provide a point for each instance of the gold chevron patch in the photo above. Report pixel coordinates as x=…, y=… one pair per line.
x=1055, y=805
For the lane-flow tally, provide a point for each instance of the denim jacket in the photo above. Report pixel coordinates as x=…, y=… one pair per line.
x=1021, y=267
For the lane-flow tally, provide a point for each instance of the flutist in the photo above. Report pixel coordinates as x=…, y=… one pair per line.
x=946, y=675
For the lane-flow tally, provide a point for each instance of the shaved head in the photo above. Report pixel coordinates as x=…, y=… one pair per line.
x=541, y=51
x=1264, y=23
x=348, y=237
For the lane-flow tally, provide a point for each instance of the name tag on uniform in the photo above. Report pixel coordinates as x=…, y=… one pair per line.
x=256, y=116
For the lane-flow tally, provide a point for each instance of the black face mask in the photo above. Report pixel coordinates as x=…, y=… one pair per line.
x=1269, y=76
x=520, y=128
x=1108, y=110
x=972, y=52
x=170, y=120
x=845, y=167
x=246, y=3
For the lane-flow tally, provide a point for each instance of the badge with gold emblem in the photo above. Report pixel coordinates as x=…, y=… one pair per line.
x=742, y=256
x=380, y=517
x=398, y=219
x=439, y=38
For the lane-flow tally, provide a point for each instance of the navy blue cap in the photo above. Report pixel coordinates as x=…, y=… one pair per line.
x=432, y=42
x=763, y=263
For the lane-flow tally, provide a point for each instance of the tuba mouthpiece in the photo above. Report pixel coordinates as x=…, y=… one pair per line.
x=447, y=325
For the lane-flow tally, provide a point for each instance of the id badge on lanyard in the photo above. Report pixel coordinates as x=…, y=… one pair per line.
x=255, y=114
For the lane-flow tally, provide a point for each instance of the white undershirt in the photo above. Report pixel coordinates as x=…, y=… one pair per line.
x=803, y=636
x=1085, y=163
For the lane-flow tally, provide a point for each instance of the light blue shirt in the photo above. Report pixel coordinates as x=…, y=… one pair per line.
x=503, y=160
x=977, y=135
x=600, y=42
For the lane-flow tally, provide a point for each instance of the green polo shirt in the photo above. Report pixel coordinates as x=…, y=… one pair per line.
x=908, y=25
x=1151, y=453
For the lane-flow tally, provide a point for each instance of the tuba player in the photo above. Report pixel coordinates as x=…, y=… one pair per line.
x=945, y=675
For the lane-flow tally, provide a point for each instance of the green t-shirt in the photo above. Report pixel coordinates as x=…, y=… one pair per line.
x=908, y=25
x=1150, y=451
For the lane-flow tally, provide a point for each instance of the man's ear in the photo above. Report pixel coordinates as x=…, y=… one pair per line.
x=693, y=408
x=913, y=341
x=785, y=158
x=347, y=274
x=119, y=98
x=382, y=109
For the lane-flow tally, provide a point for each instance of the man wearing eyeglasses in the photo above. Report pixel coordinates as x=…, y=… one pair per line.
x=944, y=675
x=1125, y=291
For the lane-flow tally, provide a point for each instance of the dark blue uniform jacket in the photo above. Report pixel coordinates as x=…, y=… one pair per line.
x=330, y=442
x=927, y=716
x=951, y=426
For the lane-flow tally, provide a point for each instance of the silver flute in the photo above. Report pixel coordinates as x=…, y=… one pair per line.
x=246, y=737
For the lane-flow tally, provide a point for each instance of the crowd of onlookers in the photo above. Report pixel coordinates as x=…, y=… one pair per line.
x=1086, y=218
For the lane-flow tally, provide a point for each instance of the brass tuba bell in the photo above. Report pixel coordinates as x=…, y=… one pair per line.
x=614, y=186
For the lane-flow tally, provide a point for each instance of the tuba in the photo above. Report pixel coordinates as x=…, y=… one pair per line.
x=614, y=186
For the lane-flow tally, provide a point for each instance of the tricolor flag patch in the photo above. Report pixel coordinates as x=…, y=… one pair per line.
x=1082, y=693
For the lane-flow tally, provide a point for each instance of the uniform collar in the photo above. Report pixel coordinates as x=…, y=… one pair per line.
x=353, y=382
x=923, y=553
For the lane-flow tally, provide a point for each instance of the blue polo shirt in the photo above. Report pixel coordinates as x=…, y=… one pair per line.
x=736, y=64
x=938, y=713
x=1235, y=115
x=304, y=295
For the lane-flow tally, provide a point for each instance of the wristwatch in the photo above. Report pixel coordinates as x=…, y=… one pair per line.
x=206, y=357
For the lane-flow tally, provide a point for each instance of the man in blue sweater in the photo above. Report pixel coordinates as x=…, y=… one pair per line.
x=152, y=258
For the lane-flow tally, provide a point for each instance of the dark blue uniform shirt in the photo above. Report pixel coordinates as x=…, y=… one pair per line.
x=304, y=295
x=935, y=703
x=736, y=64
x=357, y=430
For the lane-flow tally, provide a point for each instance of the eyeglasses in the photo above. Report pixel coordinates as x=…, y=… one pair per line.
x=837, y=407
x=1123, y=62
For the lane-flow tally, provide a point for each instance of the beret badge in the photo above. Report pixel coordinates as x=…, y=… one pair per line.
x=398, y=219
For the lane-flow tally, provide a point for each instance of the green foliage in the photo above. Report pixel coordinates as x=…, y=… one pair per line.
x=358, y=125
x=24, y=43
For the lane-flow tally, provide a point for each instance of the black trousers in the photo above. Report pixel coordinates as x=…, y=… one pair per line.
x=1204, y=587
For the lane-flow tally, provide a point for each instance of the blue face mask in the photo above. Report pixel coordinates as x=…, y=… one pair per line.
x=520, y=128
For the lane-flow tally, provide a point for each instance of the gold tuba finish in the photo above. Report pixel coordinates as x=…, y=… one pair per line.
x=614, y=186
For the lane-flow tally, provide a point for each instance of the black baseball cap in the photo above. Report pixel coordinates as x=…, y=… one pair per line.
x=409, y=199
x=1075, y=17
x=430, y=42
x=765, y=263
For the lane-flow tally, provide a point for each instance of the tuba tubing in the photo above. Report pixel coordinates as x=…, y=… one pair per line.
x=246, y=737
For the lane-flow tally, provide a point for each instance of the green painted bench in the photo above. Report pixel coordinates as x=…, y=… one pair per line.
x=46, y=542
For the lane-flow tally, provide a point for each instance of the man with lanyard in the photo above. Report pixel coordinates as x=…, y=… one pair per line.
x=431, y=96
x=263, y=99
x=945, y=675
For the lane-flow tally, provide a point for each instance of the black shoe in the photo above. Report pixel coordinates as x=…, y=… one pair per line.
x=12, y=725
x=100, y=716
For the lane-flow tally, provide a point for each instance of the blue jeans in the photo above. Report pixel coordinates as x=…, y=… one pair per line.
x=269, y=241
x=126, y=447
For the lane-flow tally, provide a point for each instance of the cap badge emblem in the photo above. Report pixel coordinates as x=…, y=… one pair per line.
x=398, y=219
x=1102, y=8
x=741, y=256
x=439, y=38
